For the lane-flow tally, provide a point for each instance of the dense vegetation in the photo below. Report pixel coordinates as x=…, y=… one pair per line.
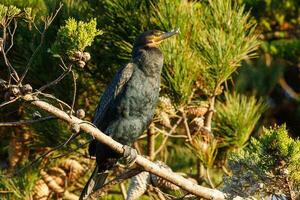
x=230, y=80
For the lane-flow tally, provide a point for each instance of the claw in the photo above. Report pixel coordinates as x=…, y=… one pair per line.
x=130, y=155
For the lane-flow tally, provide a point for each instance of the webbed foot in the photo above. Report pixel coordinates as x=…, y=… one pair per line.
x=129, y=155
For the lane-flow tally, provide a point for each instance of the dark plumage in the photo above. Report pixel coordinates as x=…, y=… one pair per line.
x=127, y=106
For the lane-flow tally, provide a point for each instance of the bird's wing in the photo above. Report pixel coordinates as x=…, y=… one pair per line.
x=112, y=91
x=95, y=182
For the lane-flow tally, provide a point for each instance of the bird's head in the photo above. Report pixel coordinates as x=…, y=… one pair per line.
x=153, y=38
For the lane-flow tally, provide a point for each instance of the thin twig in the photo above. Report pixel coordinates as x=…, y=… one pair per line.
x=159, y=194
x=64, y=66
x=47, y=23
x=26, y=122
x=151, y=142
x=6, y=192
x=163, y=195
x=52, y=17
x=71, y=151
x=209, y=179
x=288, y=89
x=142, y=137
x=74, y=93
x=35, y=26
x=9, y=102
x=210, y=112
x=137, y=147
x=187, y=128
x=50, y=96
x=123, y=190
x=57, y=80
x=12, y=72
x=290, y=187
x=167, y=136
x=12, y=34
x=31, y=59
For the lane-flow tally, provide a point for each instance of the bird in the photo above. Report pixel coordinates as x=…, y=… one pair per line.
x=127, y=106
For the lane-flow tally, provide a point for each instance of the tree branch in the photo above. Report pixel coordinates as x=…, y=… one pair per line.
x=210, y=112
x=47, y=23
x=151, y=142
x=26, y=122
x=149, y=166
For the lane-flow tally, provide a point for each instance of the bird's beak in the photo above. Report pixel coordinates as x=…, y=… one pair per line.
x=168, y=34
x=154, y=41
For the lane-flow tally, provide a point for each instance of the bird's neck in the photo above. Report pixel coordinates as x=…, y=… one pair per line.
x=149, y=60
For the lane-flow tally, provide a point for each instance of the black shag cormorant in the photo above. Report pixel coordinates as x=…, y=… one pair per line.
x=128, y=104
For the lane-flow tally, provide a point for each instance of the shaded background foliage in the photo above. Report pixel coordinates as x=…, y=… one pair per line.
x=273, y=75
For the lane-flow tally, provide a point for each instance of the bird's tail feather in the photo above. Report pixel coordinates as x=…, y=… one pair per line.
x=95, y=182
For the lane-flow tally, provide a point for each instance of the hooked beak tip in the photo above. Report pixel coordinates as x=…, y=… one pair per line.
x=169, y=34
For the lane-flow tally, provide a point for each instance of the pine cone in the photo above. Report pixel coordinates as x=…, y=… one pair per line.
x=138, y=186
x=86, y=56
x=41, y=191
x=160, y=182
x=51, y=183
x=73, y=167
x=58, y=174
x=197, y=111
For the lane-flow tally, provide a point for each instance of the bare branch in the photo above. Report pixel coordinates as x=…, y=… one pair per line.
x=288, y=89
x=26, y=122
x=74, y=93
x=35, y=26
x=53, y=16
x=50, y=96
x=210, y=112
x=70, y=151
x=56, y=80
x=149, y=166
x=12, y=72
x=167, y=136
x=47, y=23
x=187, y=128
x=151, y=142
x=9, y=102
x=12, y=34
x=123, y=190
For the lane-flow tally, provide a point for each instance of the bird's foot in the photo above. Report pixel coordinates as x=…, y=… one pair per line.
x=129, y=155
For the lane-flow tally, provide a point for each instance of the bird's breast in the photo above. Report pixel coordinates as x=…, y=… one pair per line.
x=141, y=95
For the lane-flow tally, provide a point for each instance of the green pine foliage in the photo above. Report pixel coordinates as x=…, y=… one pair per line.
x=268, y=165
x=227, y=39
x=214, y=39
x=18, y=187
x=181, y=64
x=236, y=118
